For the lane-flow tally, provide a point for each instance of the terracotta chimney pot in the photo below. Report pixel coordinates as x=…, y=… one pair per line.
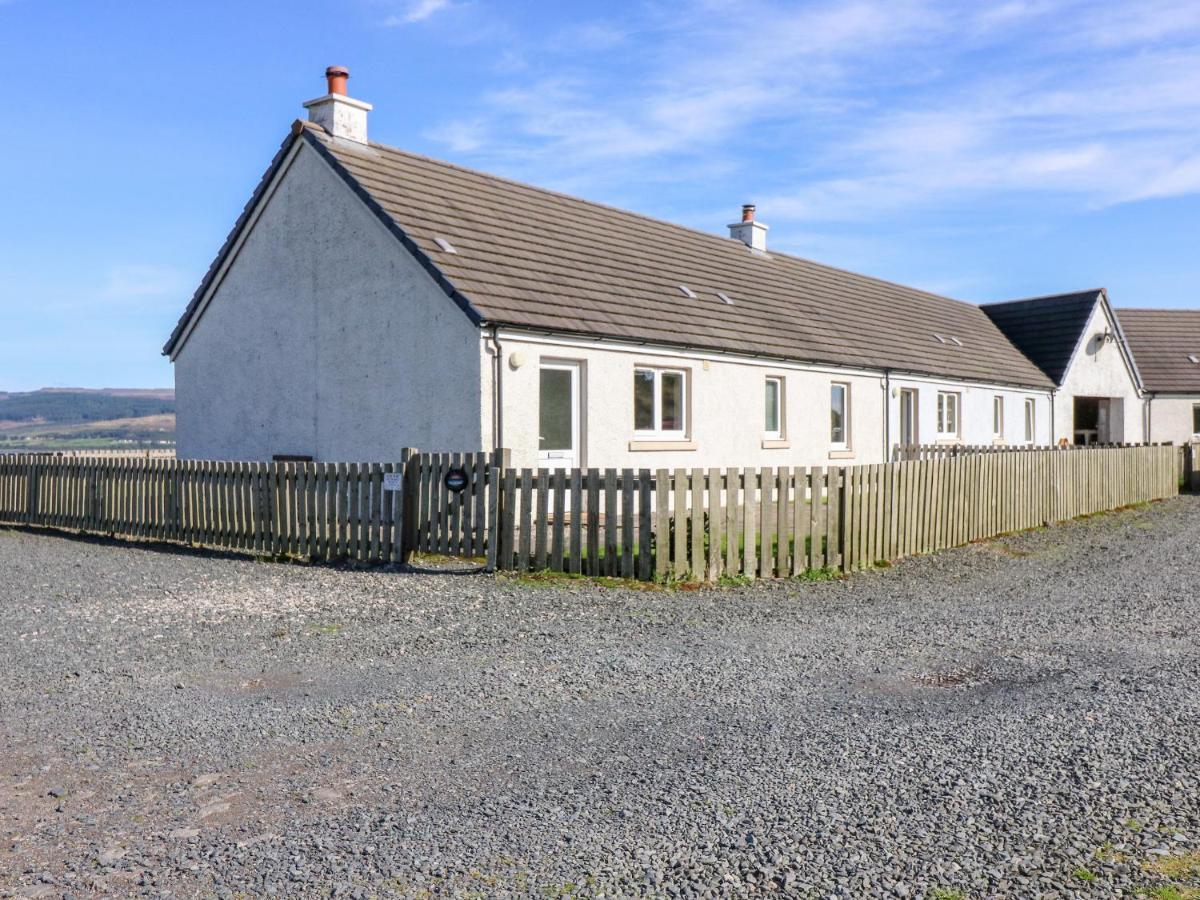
x=747, y=212
x=336, y=77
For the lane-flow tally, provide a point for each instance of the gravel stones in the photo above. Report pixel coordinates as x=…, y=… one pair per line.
x=1016, y=718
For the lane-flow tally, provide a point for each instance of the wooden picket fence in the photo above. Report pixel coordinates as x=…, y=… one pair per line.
x=323, y=511
x=906, y=452
x=684, y=524
x=765, y=523
x=131, y=452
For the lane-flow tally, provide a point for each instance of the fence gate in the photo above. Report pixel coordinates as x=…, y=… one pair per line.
x=449, y=499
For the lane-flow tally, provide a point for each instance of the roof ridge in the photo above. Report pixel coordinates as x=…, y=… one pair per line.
x=1056, y=296
x=1165, y=309
x=321, y=133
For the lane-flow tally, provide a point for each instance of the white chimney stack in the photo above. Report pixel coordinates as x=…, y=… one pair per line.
x=752, y=234
x=339, y=115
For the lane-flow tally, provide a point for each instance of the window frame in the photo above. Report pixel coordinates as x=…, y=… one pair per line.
x=940, y=417
x=844, y=443
x=658, y=433
x=1195, y=421
x=780, y=406
x=1030, y=420
x=998, y=411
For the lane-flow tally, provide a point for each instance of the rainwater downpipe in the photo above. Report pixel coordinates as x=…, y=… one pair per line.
x=887, y=415
x=497, y=391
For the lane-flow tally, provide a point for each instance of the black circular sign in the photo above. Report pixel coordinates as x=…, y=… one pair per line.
x=456, y=479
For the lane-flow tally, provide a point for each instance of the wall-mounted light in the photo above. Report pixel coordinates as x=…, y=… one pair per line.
x=516, y=359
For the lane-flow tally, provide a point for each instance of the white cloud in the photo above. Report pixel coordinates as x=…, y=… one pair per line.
x=418, y=11
x=838, y=111
x=139, y=282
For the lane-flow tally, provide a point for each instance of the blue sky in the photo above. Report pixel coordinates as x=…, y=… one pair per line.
x=981, y=150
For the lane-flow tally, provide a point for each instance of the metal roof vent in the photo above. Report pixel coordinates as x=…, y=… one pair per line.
x=687, y=291
x=444, y=244
x=956, y=341
x=1194, y=359
x=724, y=298
x=937, y=337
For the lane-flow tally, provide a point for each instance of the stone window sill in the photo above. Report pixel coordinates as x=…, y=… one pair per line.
x=776, y=444
x=841, y=454
x=661, y=445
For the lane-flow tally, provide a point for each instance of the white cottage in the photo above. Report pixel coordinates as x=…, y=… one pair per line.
x=1166, y=343
x=1078, y=342
x=369, y=299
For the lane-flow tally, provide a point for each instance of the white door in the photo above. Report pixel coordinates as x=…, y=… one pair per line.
x=558, y=415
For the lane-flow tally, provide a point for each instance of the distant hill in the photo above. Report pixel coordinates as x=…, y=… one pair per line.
x=85, y=418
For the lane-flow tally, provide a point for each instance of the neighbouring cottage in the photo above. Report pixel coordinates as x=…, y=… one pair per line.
x=1166, y=343
x=1077, y=341
x=370, y=299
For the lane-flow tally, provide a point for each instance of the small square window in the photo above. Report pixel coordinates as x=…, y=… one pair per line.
x=947, y=414
x=659, y=402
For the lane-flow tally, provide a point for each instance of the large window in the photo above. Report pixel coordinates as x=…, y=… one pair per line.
x=947, y=414
x=839, y=415
x=1030, y=420
x=773, y=408
x=998, y=417
x=659, y=404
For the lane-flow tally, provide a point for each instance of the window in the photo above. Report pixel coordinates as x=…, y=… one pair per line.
x=839, y=415
x=947, y=415
x=1196, y=420
x=773, y=409
x=1030, y=421
x=908, y=416
x=998, y=417
x=658, y=402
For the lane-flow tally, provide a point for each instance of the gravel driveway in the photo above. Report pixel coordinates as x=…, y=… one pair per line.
x=1017, y=718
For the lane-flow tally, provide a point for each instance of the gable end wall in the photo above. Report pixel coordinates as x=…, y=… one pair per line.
x=1100, y=370
x=326, y=338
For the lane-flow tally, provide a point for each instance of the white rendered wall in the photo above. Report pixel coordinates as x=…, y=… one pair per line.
x=976, y=427
x=726, y=409
x=1171, y=419
x=326, y=338
x=1099, y=370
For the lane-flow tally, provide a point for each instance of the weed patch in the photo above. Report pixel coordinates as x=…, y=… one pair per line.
x=1180, y=866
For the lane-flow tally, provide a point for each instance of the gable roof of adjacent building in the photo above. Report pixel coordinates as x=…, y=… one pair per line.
x=1050, y=330
x=1046, y=329
x=1166, y=343
x=528, y=258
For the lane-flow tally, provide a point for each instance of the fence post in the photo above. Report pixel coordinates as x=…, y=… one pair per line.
x=501, y=460
x=34, y=490
x=405, y=514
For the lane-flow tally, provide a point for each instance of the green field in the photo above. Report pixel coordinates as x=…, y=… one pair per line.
x=77, y=419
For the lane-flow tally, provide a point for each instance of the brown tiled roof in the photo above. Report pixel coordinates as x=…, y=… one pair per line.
x=1161, y=341
x=537, y=259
